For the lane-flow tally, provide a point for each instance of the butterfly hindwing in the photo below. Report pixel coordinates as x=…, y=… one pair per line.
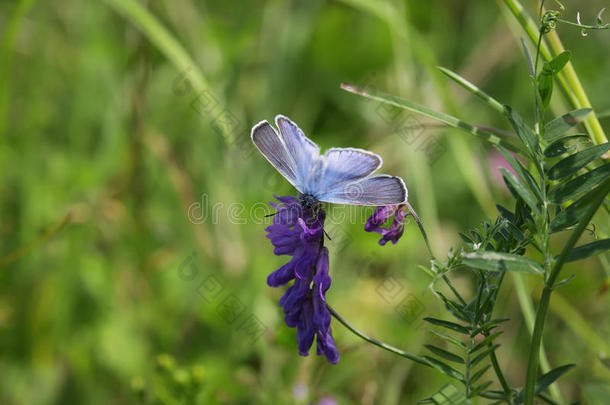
x=375, y=191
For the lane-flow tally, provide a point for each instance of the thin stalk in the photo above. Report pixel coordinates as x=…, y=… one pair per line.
x=376, y=342
x=423, y=232
x=543, y=306
x=18, y=253
x=496, y=366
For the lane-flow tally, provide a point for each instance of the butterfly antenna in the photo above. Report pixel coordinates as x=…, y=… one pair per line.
x=328, y=236
x=271, y=215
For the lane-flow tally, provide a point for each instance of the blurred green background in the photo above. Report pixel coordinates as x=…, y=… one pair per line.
x=132, y=198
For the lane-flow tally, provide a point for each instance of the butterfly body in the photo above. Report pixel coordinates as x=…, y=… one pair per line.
x=308, y=200
x=340, y=175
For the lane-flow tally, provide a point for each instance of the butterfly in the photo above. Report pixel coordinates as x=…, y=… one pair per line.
x=340, y=175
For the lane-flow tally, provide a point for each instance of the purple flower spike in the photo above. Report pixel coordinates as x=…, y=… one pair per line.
x=299, y=232
x=380, y=216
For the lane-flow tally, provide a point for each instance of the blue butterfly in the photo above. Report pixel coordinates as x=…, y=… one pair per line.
x=340, y=175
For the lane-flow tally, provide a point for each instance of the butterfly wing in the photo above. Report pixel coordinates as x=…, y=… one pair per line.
x=344, y=165
x=269, y=143
x=303, y=151
x=375, y=190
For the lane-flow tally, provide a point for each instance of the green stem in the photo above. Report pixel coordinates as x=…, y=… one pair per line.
x=532, y=365
x=594, y=128
x=568, y=79
x=376, y=342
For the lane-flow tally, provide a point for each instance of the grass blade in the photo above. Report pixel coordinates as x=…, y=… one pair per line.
x=492, y=102
x=438, y=116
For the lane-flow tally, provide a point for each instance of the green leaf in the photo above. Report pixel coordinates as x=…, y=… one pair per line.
x=481, y=387
x=545, y=88
x=560, y=125
x=525, y=133
x=479, y=374
x=549, y=378
x=485, y=341
x=588, y=250
x=444, y=368
x=496, y=261
x=521, y=190
x=573, y=188
x=438, y=116
x=547, y=75
x=558, y=62
x=492, y=102
x=449, y=325
x=453, y=307
x=558, y=147
x=525, y=175
x=449, y=339
x=445, y=354
x=573, y=163
x=577, y=209
x=448, y=395
x=482, y=355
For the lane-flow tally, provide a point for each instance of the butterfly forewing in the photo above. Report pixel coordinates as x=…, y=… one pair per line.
x=272, y=147
x=304, y=151
x=376, y=190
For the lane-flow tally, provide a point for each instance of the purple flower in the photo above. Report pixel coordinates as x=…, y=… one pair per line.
x=379, y=218
x=298, y=231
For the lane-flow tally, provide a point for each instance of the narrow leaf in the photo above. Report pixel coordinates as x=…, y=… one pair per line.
x=445, y=354
x=521, y=190
x=479, y=374
x=525, y=175
x=549, y=378
x=449, y=339
x=438, y=116
x=545, y=87
x=485, y=341
x=588, y=250
x=449, y=395
x=579, y=185
x=558, y=62
x=559, y=147
x=496, y=261
x=560, y=125
x=444, y=368
x=573, y=163
x=525, y=133
x=578, y=209
x=449, y=325
x=492, y=102
x=483, y=354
